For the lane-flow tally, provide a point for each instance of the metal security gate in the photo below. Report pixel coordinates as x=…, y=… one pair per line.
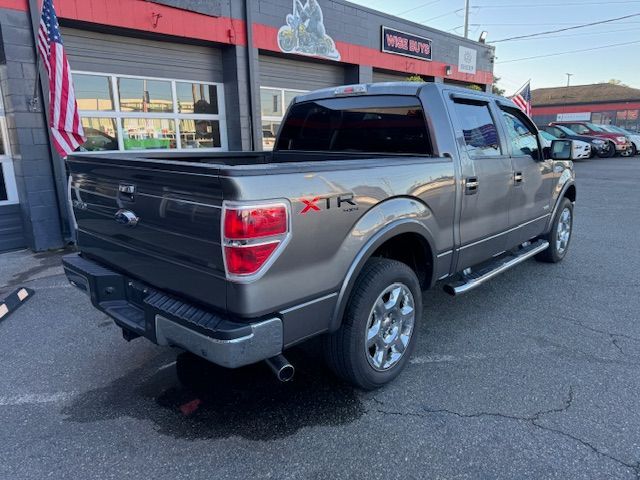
x=383, y=76
x=99, y=52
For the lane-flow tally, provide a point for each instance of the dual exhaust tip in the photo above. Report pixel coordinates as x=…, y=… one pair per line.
x=281, y=367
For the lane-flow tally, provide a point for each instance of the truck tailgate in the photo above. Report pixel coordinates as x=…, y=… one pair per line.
x=175, y=244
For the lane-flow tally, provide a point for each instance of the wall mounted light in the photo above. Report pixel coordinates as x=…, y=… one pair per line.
x=483, y=37
x=447, y=70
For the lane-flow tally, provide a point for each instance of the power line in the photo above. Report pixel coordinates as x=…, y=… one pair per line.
x=571, y=35
x=443, y=15
x=570, y=51
x=567, y=28
x=426, y=4
x=551, y=5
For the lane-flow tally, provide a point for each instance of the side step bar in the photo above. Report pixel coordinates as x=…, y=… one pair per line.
x=477, y=278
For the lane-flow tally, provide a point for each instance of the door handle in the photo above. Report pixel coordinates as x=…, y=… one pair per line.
x=471, y=185
x=517, y=178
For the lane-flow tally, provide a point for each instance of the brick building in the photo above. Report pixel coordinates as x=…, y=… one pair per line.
x=213, y=75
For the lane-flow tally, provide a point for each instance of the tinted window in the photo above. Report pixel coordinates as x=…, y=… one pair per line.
x=523, y=139
x=382, y=124
x=93, y=92
x=479, y=129
x=197, y=98
x=142, y=95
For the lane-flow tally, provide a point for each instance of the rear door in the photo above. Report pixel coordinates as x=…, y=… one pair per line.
x=532, y=178
x=487, y=177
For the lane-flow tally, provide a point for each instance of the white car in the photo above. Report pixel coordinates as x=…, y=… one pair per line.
x=634, y=137
x=581, y=150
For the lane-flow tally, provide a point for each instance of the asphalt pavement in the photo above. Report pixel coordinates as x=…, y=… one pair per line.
x=534, y=375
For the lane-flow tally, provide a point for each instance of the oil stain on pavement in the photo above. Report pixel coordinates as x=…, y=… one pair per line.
x=210, y=402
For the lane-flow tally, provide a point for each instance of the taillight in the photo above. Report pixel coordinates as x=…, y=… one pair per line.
x=251, y=236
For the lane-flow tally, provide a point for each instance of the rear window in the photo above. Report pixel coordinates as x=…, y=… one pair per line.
x=373, y=124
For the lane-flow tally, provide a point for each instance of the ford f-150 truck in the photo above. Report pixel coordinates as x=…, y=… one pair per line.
x=372, y=194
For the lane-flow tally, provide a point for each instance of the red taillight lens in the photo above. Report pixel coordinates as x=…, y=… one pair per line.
x=249, y=223
x=246, y=260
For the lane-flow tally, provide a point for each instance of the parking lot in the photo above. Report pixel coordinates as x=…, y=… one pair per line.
x=534, y=375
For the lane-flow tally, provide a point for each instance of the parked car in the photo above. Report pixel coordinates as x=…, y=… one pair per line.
x=634, y=137
x=365, y=202
x=581, y=150
x=619, y=142
x=599, y=147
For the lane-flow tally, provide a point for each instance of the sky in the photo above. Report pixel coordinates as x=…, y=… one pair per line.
x=508, y=18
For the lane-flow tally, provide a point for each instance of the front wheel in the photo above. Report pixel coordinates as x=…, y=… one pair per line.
x=608, y=152
x=379, y=329
x=560, y=235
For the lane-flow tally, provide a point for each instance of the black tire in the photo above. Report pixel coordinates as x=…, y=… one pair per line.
x=609, y=152
x=554, y=253
x=634, y=150
x=345, y=349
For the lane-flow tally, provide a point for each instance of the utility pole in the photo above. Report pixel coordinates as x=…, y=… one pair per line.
x=569, y=75
x=466, y=18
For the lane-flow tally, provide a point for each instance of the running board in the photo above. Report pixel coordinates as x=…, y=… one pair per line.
x=477, y=278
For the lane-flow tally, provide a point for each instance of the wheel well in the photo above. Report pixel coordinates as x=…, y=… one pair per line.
x=571, y=193
x=413, y=250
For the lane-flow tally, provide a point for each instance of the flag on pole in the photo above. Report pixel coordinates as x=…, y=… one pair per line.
x=522, y=98
x=64, y=117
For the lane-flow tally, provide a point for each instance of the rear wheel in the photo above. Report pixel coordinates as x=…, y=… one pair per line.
x=379, y=329
x=560, y=235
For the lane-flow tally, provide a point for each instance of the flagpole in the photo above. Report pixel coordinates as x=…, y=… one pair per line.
x=41, y=90
x=520, y=89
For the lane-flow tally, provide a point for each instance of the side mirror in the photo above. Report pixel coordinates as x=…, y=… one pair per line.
x=562, y=150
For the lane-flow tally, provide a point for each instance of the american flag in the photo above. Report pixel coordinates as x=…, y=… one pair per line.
x=522, y=98
x=64, y=117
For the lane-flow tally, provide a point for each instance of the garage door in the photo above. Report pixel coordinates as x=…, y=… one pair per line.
x=382, y=76
x=140, y=94
x=282, y=79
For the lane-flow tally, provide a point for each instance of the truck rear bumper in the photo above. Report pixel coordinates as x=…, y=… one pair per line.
x=166, y=320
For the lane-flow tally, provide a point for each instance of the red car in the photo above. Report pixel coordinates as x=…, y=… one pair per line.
x=617, y=143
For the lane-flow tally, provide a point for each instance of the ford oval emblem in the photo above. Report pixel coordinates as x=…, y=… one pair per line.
x=127, y=217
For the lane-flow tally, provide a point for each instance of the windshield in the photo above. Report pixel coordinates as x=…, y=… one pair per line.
x=565, y=130
x=371, y=124
x=596, y=128
x=547, y=135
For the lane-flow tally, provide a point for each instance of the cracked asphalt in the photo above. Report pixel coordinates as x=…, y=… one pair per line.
x=535, y=375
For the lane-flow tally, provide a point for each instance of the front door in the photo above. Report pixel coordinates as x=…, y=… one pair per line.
x=532, y=178
x=487, y=177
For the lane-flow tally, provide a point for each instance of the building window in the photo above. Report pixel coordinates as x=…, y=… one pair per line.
x=8, y=191
x=273, y=105
x=138, y=113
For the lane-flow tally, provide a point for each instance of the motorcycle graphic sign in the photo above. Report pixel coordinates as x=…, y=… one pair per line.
x=305, y=33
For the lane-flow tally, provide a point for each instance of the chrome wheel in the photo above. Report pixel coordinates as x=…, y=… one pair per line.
x=563, y=232
x=390, y=327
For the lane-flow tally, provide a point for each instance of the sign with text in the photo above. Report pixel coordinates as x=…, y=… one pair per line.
x=574, y=117
x=407, y=44
x=467, y=59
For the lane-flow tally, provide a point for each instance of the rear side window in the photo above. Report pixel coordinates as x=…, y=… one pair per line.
x=371, y=124
x=478, y=128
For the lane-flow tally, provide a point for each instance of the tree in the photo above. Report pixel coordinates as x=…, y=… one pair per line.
x=414, y=78
x=495, y=88
x=615, y=81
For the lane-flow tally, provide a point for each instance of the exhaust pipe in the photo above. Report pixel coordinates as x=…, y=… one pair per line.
x=281, y=367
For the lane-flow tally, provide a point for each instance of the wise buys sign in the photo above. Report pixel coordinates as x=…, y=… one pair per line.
x=407, y=44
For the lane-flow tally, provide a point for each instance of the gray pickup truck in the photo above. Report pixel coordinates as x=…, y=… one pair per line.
x=372, y=194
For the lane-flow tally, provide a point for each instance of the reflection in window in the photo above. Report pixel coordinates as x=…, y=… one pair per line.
x=200, y=133
x=3, y=188
x=142, y=95
x=197, y=98
x=148, y=133
x=101, y=133
x=93, y=92
x=523, y=140
x=478, y=128
x=269, y=132
x=270, y=102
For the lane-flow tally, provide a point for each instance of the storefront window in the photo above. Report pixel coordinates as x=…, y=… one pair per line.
x=200, y=133
x=93, y=92
x=273, y=105
x=132, y=113
x=101, y=133
x=148, y=133
x=197, y=98
x=8, y=191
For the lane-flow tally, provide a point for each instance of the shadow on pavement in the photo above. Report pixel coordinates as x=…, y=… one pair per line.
x=214, y=402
